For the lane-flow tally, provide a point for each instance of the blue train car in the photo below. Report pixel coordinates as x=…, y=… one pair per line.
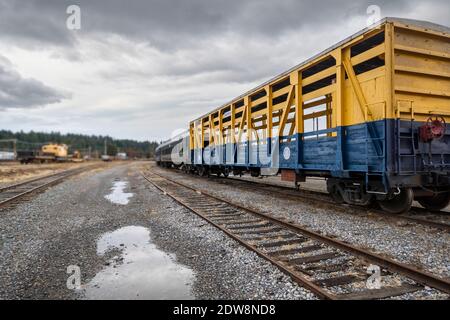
x=370, y=114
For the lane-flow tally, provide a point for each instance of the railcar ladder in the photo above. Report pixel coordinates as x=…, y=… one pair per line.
x=406, y=134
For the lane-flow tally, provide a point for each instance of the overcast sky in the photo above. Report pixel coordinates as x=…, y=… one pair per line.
x=141, y=69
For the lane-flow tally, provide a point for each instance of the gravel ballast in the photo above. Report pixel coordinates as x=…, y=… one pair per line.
x=39, y=239
x=410, y=243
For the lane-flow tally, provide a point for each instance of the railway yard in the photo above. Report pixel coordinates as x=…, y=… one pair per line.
x=226, y=160
x=215, y=238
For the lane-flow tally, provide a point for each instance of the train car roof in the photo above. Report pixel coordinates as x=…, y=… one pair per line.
x=176, y=138
x=402, y=21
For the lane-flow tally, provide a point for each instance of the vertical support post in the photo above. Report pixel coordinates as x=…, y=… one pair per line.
x=296, y=80
x=269, y=118
x=338, y=99
x=391, y=104
x=191, y=137
x=389, y=67
x=212, y=138
x=220, y=142
x=202, y=142
x=233, y=123
x=247, y=105
x=338, y=111
x=197, y=135
x=233, y=131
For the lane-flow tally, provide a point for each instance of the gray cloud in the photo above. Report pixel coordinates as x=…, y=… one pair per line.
x=19, y=92
x=141, y=67
x=35, y=24
x=170, y=24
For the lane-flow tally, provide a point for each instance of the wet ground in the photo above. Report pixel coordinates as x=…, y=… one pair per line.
x=86, y=223
x=117, y=195
x=107, y=234
x=140, y=270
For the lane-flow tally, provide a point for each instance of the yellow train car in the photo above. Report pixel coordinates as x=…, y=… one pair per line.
x=370, y=114
x=56, y=150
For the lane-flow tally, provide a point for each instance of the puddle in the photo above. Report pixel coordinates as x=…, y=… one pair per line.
x=141, y=271
x=118, y=195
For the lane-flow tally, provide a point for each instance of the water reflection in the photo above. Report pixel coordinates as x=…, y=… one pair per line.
x=118, y=195
x=140, y=272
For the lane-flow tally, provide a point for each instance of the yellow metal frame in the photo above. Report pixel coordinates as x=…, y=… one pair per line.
x=278, y=106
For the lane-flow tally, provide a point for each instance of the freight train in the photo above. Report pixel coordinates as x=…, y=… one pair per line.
x=370, y=114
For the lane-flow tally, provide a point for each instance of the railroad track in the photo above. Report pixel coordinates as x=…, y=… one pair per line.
x=328, y=267
x=416, y=215
x=19, y=192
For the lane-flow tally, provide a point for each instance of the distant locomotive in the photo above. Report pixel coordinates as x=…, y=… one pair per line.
x=370, y=114
x=51, y=152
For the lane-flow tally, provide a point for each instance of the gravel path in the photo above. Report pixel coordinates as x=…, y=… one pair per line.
x=404, y=242
x=41, y=238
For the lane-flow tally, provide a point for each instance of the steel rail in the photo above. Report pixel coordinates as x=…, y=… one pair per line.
x=59, y=177
x=12, y=186
x=324, y=197
x=297, y=278
x=422, y=277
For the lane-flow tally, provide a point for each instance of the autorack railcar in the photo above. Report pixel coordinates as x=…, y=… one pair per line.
x=370, y=114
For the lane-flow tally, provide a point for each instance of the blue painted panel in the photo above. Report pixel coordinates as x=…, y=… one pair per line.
x=321, y=150
x=288, y=153
x=364, y=148
x=372, y=147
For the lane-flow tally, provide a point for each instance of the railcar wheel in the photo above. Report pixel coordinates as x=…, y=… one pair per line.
x=202, y=171
x=400, y=203
x=336, y=195
x=333, y=189
x=436, y=202
x=226, y=172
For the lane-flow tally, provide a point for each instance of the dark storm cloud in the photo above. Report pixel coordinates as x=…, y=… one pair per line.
x=18, y=92
x=34, y=24
x=169, y=24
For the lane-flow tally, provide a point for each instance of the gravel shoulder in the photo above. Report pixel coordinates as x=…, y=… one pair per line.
x=11, y=173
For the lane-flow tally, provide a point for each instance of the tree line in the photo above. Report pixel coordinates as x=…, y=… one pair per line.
x=92, y=144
